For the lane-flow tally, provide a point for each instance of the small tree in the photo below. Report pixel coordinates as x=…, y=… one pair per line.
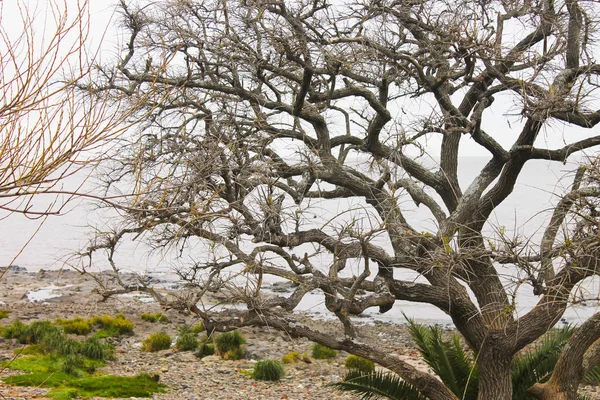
x=48, y=131
x=264, y=115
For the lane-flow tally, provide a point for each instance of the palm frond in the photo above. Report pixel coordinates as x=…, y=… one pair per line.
x=447, y=359
x=379, y=385
x=593, y=376
x=538, y=364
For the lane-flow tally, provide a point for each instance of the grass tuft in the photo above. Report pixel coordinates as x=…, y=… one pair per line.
x=112, y=326
x=158, y=317
x=198, y=328
x=187, y=340
x=204, y=350
x=77, y=325
x=360, y=364
x=291, y=358
x=229, y=345
x=268, y=370
x=321, y=352
x=156, y=342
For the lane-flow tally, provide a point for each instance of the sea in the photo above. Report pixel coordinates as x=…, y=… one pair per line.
x=52, y=242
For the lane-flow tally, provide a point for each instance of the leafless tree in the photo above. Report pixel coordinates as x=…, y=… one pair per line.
x=48, y=131
x=46, y=128
x=264, y=115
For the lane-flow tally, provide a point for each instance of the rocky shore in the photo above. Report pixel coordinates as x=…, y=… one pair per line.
x=67, y=294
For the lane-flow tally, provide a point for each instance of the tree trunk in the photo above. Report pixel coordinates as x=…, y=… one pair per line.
x=495, y=380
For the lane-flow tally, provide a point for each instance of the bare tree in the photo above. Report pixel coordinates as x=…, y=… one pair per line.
x=47, y=130
x=264, y=115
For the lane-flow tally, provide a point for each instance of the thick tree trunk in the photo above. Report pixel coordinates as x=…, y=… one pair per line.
x=579, y=356
x=494, y=374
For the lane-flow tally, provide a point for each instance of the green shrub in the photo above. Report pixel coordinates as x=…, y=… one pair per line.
x=71, y=364
x=112, y=326
x=205, y=349
x=77, y=325
x=63, y=347
x=291, y=358
x=30, y=334
x=268, y=370
x=233, y=354
x=156, y=342
x=94, y=349
x=158, y=317
x=229, y=345
x=186, y=341
x=13, y=331
x=359, y=364
x=4, y=313
x=321, y=352
x=39, y=330
x=198, y=328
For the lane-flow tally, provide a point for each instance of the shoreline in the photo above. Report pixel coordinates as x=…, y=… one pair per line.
x=186, y=376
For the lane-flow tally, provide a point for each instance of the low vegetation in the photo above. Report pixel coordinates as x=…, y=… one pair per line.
x=77, y=326
x=187, y=340
x=292, y=357
x=112, y=326
x=198, y=328
x=68, y=366
x=228, y=345
x=268, y=370
x=45, y=371
x=158, y=317
x=321, y=352
x=205, y=350
x=105, y=325
x=156, y=342
x=4, y=313
x=360, y=364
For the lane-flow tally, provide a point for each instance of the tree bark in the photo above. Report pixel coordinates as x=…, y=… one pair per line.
x=495, y=380
x=577, y=358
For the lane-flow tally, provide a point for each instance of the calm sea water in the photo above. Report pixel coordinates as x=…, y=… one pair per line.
x=46, y=244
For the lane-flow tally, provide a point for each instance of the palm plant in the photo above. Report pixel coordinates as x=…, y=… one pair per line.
x=457, y=367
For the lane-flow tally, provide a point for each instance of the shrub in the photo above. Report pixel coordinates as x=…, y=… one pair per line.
x=13, y=331
x=229, y=345
x=36, y=332
x=158, y=317
x=291, y=358
x=112, y=326
x=186, y=341
x=77, y=326
x=233, y=354
x=198, y=328
x=62, y=346
x=156, y=342
x=205, y=349
x=268, y=370
x=359, y=364
x=4, y=313
x=71, y=364
x=321, y=352
x=94, y=349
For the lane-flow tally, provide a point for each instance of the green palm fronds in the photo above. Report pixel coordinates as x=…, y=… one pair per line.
x=447, y=359
x=379, y=385
x=457, y=367
x=537, y=365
